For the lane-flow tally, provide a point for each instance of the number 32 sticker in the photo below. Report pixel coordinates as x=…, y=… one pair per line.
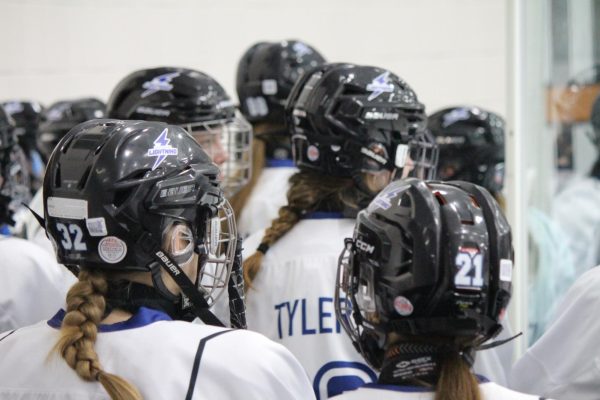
x=72, y=236
x=469, y=262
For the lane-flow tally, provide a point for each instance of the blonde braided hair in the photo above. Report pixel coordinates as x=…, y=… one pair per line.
x=79, y=330
x=308, y=192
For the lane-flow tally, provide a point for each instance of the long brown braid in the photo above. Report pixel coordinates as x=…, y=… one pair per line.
x=308, y=192
x=456, y=381
x=79, y=330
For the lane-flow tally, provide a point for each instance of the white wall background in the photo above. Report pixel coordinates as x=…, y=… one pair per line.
x=450, y=51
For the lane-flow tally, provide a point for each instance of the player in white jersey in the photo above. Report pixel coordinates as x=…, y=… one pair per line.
x=421, y=285
x=354, y=128
x=32, y=285
x=265, y=76
x=136, y=207
x=575, y=207
x=564, y=362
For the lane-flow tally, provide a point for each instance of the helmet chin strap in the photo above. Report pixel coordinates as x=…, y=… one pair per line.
x=198, y=303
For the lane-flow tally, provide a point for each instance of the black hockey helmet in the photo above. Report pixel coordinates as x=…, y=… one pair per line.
x=345, y=119
x=471, y=145
x=14, y=189
x=113, y=188
x=60, y=117
x=27, y=116
x=427, y=258
x=195, y=101
x=266, y=74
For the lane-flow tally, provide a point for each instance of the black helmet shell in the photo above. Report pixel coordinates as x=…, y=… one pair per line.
x=266, y=74
x=471, y=146
x=336, y=113
x=110, y=180
x=173, y=95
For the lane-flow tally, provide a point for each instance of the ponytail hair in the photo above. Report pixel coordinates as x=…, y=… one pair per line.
x=79, y=330
x=308, y=192
x=456, y=381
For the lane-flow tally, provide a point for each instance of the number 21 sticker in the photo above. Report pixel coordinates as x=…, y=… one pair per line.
x=469, y=262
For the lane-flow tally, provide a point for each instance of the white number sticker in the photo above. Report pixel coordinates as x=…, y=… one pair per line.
x=470, y=269
x=72, y=237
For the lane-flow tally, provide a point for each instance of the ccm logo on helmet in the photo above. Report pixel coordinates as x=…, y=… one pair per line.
x=364, y=246
x=168, y=263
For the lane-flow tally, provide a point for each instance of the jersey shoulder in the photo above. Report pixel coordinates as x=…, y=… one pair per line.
x=493, y=391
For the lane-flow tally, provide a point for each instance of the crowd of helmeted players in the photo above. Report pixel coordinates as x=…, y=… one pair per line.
x=324, y=237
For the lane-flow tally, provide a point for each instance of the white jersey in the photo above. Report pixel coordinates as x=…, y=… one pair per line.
x=32, y=285
x=489, y=391
x=164, y=359
x=565, y=362
x=577, y=213
x=269, y=194
x=292, y=303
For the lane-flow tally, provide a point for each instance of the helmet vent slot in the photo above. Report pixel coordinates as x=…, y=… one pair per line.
x=84, y=177
x=440, y=198
x=121, y=197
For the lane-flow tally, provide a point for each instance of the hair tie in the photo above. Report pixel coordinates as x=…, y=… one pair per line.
x=263, y=248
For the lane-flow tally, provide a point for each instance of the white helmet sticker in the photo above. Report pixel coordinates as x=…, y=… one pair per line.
x=401, y=155
x=506, y=267
x=269, y=86
x=62, y=207
x=112, y=249
x=403, y=306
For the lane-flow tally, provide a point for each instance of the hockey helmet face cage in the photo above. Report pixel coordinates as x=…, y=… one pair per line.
x=426, y=259
x=471, y=146
x=197, y=102
x=228, y=143
x=266, y=74
x=61, y=117
x=347, y=119
x=112, y=188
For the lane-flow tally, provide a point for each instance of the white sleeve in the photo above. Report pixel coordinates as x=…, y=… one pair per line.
x=32, y=285
x=565, y=361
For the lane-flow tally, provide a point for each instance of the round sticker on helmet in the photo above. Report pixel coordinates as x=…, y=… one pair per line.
x=112, y=249
x=403, y=306
x=312, y=153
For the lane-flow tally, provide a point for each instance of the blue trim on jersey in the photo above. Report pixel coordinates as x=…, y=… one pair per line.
x=414, y=389
x=275, y=163
x=5, y=230
x=144, y=316
x=323, y=215
x=396, y=388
